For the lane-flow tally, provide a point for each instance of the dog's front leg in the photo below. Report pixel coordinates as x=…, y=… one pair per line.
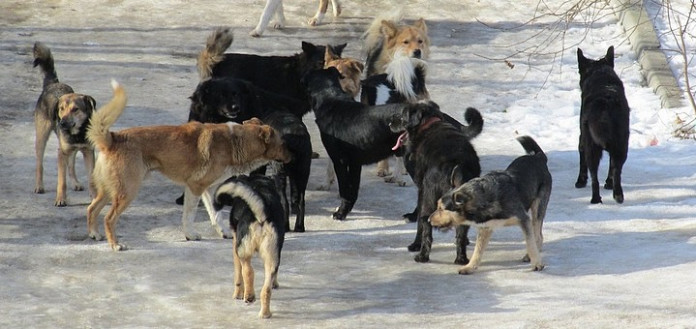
x=61, y=190
x=216, y=217
x=88, y=156
x=190, y=204
x=482, y=238
x=271, y=7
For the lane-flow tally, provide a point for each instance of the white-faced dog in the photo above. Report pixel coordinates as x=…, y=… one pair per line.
x=501, y=198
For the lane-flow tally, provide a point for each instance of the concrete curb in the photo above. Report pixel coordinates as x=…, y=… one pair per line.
x=641, y=34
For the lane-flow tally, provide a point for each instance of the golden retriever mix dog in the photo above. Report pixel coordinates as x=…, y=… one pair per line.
x=387, y=37
x=350, y=68
x=195, y=155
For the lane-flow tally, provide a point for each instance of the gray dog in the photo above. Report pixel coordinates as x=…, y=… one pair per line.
x=501, y=198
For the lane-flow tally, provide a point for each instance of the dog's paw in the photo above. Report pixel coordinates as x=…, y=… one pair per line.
x=60, y=203
x=414, y=246
x=421, y=258
x=39, y=190
x=264, y=314
x=238, y=293
x=410, y=217
x=464, y=270
x=619, y=197
x=526, y=259
x=338, y=216
x=249, y=298
x=193, y=236
x=118, y=247
x=278, y=25
x=538, y=267
x=299, y=229
x=383, y=172
x=78, y=187
x=254, y=34
x=96, y=236
x=596, y=200
x=314, y=21
x=580, y=183
x=461, y=260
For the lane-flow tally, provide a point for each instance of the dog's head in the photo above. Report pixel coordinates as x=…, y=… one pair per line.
x=74, y=112
x=312, y=57
x=414, y=116
x=456, y=206
x=350, y=69
x=264, y=139
x=220, y=100
x=411, y=40
x=323, y=82
x=586, y=66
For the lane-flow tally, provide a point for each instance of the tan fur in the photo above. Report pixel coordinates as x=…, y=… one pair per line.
x=195, y=155
x=393, y=37
x=262, y=239
x=214, y=51
x=58, y=102
x=350, y=68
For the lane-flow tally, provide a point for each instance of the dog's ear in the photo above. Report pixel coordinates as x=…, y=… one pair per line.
x=253, y=121
x=338, y=49
x=582, y=61
x=421, y=25
x=457, y=177
x=388, y=29
x=266, y=133
x=609, y=57
x=357, y=66
x=308, y=48
x=329, y=55
x=92, y=103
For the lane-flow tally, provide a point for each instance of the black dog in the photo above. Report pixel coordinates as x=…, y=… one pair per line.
x=604, y=123
x=501, y=198
x=277, y=74
x=439, y=150
x=226, y=99
x=353, y=134
x=257, y=225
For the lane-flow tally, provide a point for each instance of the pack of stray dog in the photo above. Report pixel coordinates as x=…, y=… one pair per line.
x=246, y=143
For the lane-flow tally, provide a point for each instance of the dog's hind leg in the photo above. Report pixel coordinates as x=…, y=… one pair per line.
x=592, y=158
x=190, y=205
x=216, y=217
x=321, y=11
x=268, y=11
x=238, y=278
x=248, y=279
x=529, y=230
x=118, y=204
x=617, y=160
x=43, y=132
x=271, y=260
x=348, y=174
x=89, y=158
x=383, y=168
x=462, y=240
x=582, y=174
x=482, y=238
x=98, y=203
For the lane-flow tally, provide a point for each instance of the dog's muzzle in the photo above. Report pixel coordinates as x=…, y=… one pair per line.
x=417, y=53
x=66, y=124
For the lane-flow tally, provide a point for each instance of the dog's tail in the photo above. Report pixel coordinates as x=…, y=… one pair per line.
x=44, y=59
x=215, y=47
x=102, y=119
x=234, y=188
x=373, y=35
x=474, y=122
x=401, y=71
x=531, y=146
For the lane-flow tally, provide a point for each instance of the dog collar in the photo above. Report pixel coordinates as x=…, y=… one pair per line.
x=426, y=124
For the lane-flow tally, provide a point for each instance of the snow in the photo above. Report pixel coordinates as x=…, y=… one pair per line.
x=608, y=265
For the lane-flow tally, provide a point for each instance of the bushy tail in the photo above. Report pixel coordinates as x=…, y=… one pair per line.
x=215, y=47
x=474, y=122
x=44, y=59
x=102, y=119
x=234, y=188
x=531, y=147
x=373, y=35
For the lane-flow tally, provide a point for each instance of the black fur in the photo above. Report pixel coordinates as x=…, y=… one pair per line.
x=436, y=148
x=229, y=99
x=278, y=74
x=353, y=134
x=604, y=123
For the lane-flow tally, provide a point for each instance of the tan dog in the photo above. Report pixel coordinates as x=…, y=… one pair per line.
x=67, y=114
x=350, y=68
x=194, y=154
x=386, y=37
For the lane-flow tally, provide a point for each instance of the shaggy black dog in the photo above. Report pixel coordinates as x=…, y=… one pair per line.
x=439, y=150
x=257, y=223
x=229, y=99
x=277, y=74
x=604, y=123
x=353, y=134
x=501, y=198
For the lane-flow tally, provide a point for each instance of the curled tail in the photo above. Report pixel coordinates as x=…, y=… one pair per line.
x=215, y=47
x=235, y=187
x=531, y=147
x=474, y=122
x=44, y=60
x=102, y=119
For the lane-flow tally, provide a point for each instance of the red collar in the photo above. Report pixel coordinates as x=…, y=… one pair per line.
x=427, y=123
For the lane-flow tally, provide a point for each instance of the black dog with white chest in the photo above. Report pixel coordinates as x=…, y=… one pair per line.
x=604, y=123
x=257, y=224
x=501, y=198
x=438, y=150
x=224, y=99
x=353, y=134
